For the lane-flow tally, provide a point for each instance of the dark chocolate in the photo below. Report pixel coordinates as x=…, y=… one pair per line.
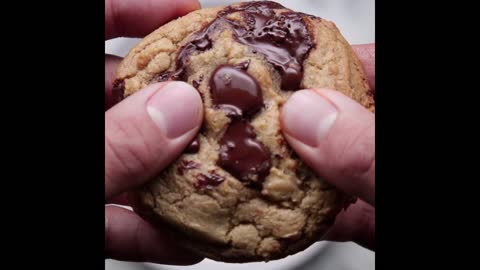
x=193, y=147
x=116, y=94
x=208, y=181
x=235, y=92
x=240, y=96
x=282, y=39
x=242, y=155
x=196, y=83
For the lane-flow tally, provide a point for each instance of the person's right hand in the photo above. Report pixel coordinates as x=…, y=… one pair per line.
x=336, y=137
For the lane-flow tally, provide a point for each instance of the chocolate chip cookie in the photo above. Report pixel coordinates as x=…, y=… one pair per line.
x=239, y=193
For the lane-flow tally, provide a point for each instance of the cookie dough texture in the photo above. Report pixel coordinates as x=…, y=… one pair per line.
x=231, y=221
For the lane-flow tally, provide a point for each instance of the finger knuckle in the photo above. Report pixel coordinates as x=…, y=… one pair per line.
x=125, y=147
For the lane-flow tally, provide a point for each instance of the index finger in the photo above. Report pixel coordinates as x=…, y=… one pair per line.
x=136, y=18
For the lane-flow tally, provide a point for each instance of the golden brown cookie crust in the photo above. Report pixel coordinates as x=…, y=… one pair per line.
x=233, y=222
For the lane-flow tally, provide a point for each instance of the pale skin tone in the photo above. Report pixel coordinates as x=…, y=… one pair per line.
x=141, y=139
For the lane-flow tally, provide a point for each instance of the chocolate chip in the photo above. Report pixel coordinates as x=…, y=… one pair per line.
x=242, y=155
x=235, y=91
x=193, y=147
x=282, y=39
x=208, y=181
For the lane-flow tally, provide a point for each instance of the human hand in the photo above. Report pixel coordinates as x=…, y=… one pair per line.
x=143, y=134
x=336, y=137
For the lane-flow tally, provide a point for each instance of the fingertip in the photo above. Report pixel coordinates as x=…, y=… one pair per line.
x=176, y=108
x=186, y=6
x=335, y=135
x=308, y=116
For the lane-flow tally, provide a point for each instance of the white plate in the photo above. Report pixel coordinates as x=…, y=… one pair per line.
x=288, y=263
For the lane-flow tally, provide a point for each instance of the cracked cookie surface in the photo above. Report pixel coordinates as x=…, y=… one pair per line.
x=238, y=193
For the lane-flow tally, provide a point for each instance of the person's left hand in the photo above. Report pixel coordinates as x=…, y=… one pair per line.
x=143, y=134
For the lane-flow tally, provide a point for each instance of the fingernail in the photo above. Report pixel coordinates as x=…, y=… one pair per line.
x=307, y=116
x=175, y=108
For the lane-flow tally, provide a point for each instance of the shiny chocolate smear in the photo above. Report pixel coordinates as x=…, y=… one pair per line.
x=282, y=39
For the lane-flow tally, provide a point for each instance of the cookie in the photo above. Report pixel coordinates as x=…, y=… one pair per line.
x=239, y=193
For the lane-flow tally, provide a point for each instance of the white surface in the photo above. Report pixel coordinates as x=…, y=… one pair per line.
x=356, y=21
x=332, y=256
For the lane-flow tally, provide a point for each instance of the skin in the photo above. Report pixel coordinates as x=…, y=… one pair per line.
x=139, y=143
x=137, y=146
x=343, y=154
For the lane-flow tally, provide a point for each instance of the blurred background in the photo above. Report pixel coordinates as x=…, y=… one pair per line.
x=356, y=21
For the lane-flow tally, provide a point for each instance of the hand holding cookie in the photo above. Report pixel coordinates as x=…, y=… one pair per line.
x=143, y=134
x=271, y=167
x=339, y=144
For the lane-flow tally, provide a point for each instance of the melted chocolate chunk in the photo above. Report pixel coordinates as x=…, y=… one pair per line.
x=240, y=95
x=264, y=7
x=282, y=39
x=193, y=147
x=201, y=41
x=208, y=181
x=196, y=84
x=187, y=165
x=116, y=95
x=235, y=92
x=242, y=155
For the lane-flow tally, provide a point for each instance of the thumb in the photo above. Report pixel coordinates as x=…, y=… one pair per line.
x=335, y=136
x=147, y=131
